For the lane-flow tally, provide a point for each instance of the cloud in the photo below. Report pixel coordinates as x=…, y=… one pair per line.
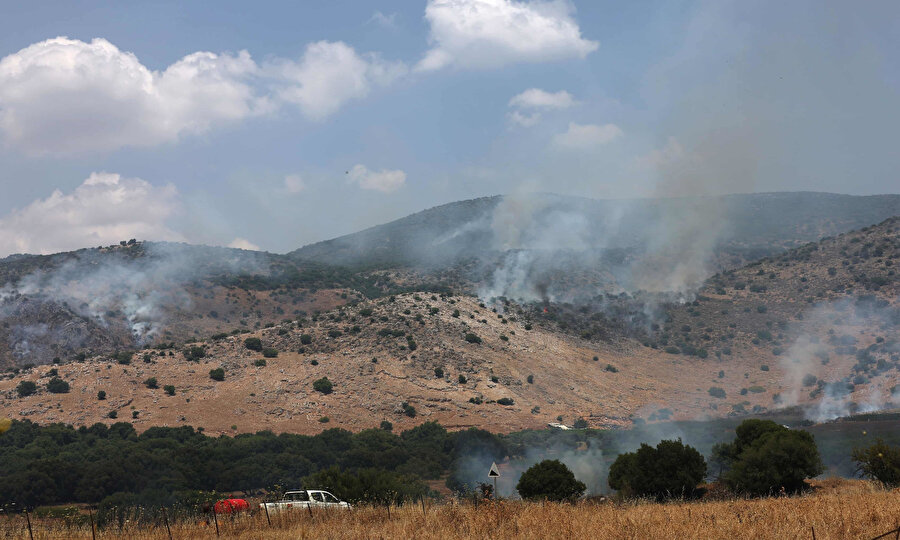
x=104, y=209
x=66, y=96
x=491, y=33
x=386, y=21
x=293, y=183
x=522, y=119
x=384, y=181
x=581, y=137
x=329, y=74
x=535, y=98
x=242, y=243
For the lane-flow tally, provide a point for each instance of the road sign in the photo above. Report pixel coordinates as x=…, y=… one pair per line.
x=494, y=472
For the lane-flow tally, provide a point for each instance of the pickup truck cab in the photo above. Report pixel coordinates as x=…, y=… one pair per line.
x=306, y=498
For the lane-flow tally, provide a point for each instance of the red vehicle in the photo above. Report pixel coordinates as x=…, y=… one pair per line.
x=231, y=506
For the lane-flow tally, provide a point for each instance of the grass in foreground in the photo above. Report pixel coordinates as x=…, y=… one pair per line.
x=838, y=510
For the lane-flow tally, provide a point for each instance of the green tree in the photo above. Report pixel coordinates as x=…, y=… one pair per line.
x=766, y=457
x=270, y=352
x=57, y=386
x=879, y=462
x=26, y=388
x=672, y=469
x=217, y=374
x=323, y=385
x=253, y=343
x=550, y=480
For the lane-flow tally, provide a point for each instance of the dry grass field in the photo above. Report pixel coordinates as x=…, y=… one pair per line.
x=837, y=510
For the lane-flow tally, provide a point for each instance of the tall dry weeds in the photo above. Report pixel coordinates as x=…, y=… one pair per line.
x=854, y=510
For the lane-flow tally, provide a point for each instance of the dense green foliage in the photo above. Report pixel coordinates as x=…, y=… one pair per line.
x=766, y=457
x=56, y=463
x=26, y=388
x=550, y=480
x=672, y=469
x=323, y=385
x=57, y=386
x=253, y=343
x=879, y=462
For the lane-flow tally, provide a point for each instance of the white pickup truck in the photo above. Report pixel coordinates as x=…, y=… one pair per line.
x=305, y=499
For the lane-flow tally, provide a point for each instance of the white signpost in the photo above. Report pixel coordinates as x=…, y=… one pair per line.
x=495, y=474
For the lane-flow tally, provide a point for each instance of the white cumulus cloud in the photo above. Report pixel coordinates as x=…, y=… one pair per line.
x=329, y=74
x=535, y=98
x=582, y=137
x=385, y=181
x=491, y=33
x=64, y=96
x=104, y=209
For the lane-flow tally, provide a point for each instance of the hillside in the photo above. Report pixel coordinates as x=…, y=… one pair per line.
x=821, y=332
x=751, y=223
x=525, y=248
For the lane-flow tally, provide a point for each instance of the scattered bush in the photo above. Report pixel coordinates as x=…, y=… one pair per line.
x=113, y=414
x=306, y=339
x=439, y=373
x=270, y=352
x=809, y=379
x=462, y=379
x=506, y=401
x=260, y=362
x=408, y=409
x=151, y=383
x=611, y=368
x=550, y=480
x=335, y=334
x=672, y=469
x=254, y=344
x=26, y=388
x=879, y=462
x=194, y=353
x=101, y=395
x=581, y=423
x=530, y=379
x=716, y=392
x=217, y=374
x=169, y=389
x=387, y=426
x=472, y=338
x=57, y=386
x=323, y=385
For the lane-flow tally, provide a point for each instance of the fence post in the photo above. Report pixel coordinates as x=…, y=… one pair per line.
x=266, y=508
x=216, y=520
x=423, y=505
x=166, y=517
x=93, y=530
x=28, y=520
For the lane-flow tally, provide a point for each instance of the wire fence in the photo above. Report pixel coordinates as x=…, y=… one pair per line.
x=175, y=523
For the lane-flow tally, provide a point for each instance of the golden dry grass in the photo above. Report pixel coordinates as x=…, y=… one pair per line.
x=852, y=510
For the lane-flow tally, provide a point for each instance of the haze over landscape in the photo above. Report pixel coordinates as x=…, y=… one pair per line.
x=507, y=230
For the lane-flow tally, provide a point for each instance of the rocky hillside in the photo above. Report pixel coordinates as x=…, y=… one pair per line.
x=814, y=327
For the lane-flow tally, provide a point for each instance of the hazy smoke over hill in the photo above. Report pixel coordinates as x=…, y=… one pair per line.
x=138, y=290
x=834, y=368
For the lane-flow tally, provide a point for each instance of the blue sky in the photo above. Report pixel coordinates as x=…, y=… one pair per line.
x=300, y=121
